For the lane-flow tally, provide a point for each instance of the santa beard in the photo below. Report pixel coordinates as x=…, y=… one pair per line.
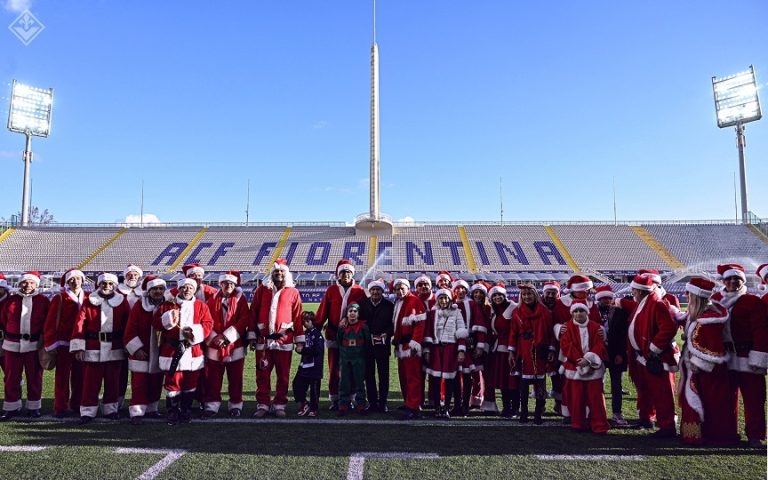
x=132, y=283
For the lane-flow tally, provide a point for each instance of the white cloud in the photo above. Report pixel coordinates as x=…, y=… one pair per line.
x=18, y=5
x=406, y=221
x=148, y=219
x=8, y=154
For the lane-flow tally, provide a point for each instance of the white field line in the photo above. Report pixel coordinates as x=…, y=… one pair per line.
x=356, y=469
x=155, y=470
x=573, y=458
x=14, y=448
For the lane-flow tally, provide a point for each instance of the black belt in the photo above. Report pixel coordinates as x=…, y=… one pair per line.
x=172, y=342
x=103, y=336
x=16, y=337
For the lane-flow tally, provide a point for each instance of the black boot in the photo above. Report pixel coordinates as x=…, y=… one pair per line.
x=523, y=418
x=172, y=407
x=186, y=407
x=514, y=402
x=539, y=411
x=506, y=403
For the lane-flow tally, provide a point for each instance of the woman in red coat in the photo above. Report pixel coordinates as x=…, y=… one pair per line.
x=498, y=373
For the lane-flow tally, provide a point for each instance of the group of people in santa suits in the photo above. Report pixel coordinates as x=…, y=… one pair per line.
x=460, y=343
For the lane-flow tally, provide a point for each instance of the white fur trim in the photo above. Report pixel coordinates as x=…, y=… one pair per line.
x=195, y=270
x=167, y=320
x=345, y=267
x=581, y=287
x=197, y=334
x=586, y=374
x=411, y=319
x=489, y=406
x=76, y=345
x=699, y=292
x=401, y=281
x=604, y=294
x=758, y=359
x=645, y=288
x=231, y=334
x=655, y=349
x=226, y=277
x=549, y=287
x=594, y=360
x=73, y=273
x=134, y=345
x=557, y=329
x=299, y=339
x=376, y=283
x=107, y=277
x=579, y=306
x=462, y=333
x=415, y=346
x=479, y=328
x=30, y=277
x=480, y=286
x=497, y=289
x=443, y=291
x=735, y=273
x=701, y=363
x=137, y=410
x=155, y=283
x=133, y=268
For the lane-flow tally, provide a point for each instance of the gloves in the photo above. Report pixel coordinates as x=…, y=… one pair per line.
x=275, y=336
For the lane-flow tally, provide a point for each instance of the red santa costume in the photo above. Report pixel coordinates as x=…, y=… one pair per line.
x=498, y=374
x=746, y=337
x=21, y=320
x=762, y=272
x=204, y=291
x=578, y=287
x=651, y=337
x=475, y=320
x=584, y=352
x=171, y=319
x=702, y=390
x=4, y=288
x=444, y=337
x=59, y=323
x=275, y=325
x=131, y=289
x=483, y=309
x=226, y=346
x=409, y=318
x=98, y=333
x=329, y=314
x=141, y=336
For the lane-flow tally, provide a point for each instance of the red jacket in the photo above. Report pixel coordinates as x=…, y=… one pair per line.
x=409, y=318
x=65, y=306
x=100, y=327
x=193, y=314
x=23, y=333
x=562, y=312
x=203, y=293
x=533, y=337
x=333, y=308
x=500, y=327
x=748, y=328
x=652, y=329
x=572, y=348
x=140, y=335
x=232, y=327
x=285, y=318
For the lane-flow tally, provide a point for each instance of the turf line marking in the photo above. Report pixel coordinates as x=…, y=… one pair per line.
x=155, y=470
x=628, y=458
x=356, y=467
x=13, y=448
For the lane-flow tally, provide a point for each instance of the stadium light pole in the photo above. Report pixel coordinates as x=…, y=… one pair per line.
x=736, y=103
x=30, y=114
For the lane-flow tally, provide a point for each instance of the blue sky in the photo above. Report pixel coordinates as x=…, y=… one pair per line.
x=557, y=98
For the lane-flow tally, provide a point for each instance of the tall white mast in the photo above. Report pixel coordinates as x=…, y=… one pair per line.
x=374, y=175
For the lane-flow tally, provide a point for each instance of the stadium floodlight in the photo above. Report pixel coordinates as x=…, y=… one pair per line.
x=30, y=114
x=737, y=103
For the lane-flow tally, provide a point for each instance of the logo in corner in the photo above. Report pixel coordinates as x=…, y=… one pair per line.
x=26, y=27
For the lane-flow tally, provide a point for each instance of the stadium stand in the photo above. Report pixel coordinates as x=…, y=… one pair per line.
x=608, y=247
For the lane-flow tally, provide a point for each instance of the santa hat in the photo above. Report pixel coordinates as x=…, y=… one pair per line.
x=478, y=286
x=701, y=287
x=654, y=274
x=3, y=281
x=32, y=276
x=529, y=286
x=551, y=285
x=401, y=281
x=192, y=269
x=762, y=272
x=106, y=277
x=133, y=268
x=443, y=291
x=186, y=281
x=731, y=270
x=579, y=306
x=151, y=281
x=460, y=283
x=604, y=291
x=280, y=264
x=423, y=279
x=643, y=282
x=344, y=265
x=378, y=283
x=498, y=288
x=230, y=276
x=72, y=272
x=579, y=283
x=443, y=275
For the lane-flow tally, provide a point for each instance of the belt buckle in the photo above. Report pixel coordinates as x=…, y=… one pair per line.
x=103, y=337
x=26, y=337
x=352, y=343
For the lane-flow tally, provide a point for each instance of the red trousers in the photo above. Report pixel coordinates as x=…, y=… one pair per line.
x=15, y=364
x=654, y=392
x=411, y=384
x=719, y=425
x=333, y=373
x=145, y=393
x=752, y=387
x=68, y=372
x=587, y=394
x=281, y=362
x=214, y=376
x=184, y=381
x=94, y=373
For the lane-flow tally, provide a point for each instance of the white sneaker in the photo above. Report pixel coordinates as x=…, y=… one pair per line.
x=618, y=419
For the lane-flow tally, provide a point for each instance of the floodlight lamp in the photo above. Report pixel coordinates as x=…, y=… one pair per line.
x=30, y=111
x=736, y=100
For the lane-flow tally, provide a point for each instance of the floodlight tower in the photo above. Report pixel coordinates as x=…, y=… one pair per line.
x=736, y=103
x=30, y=114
